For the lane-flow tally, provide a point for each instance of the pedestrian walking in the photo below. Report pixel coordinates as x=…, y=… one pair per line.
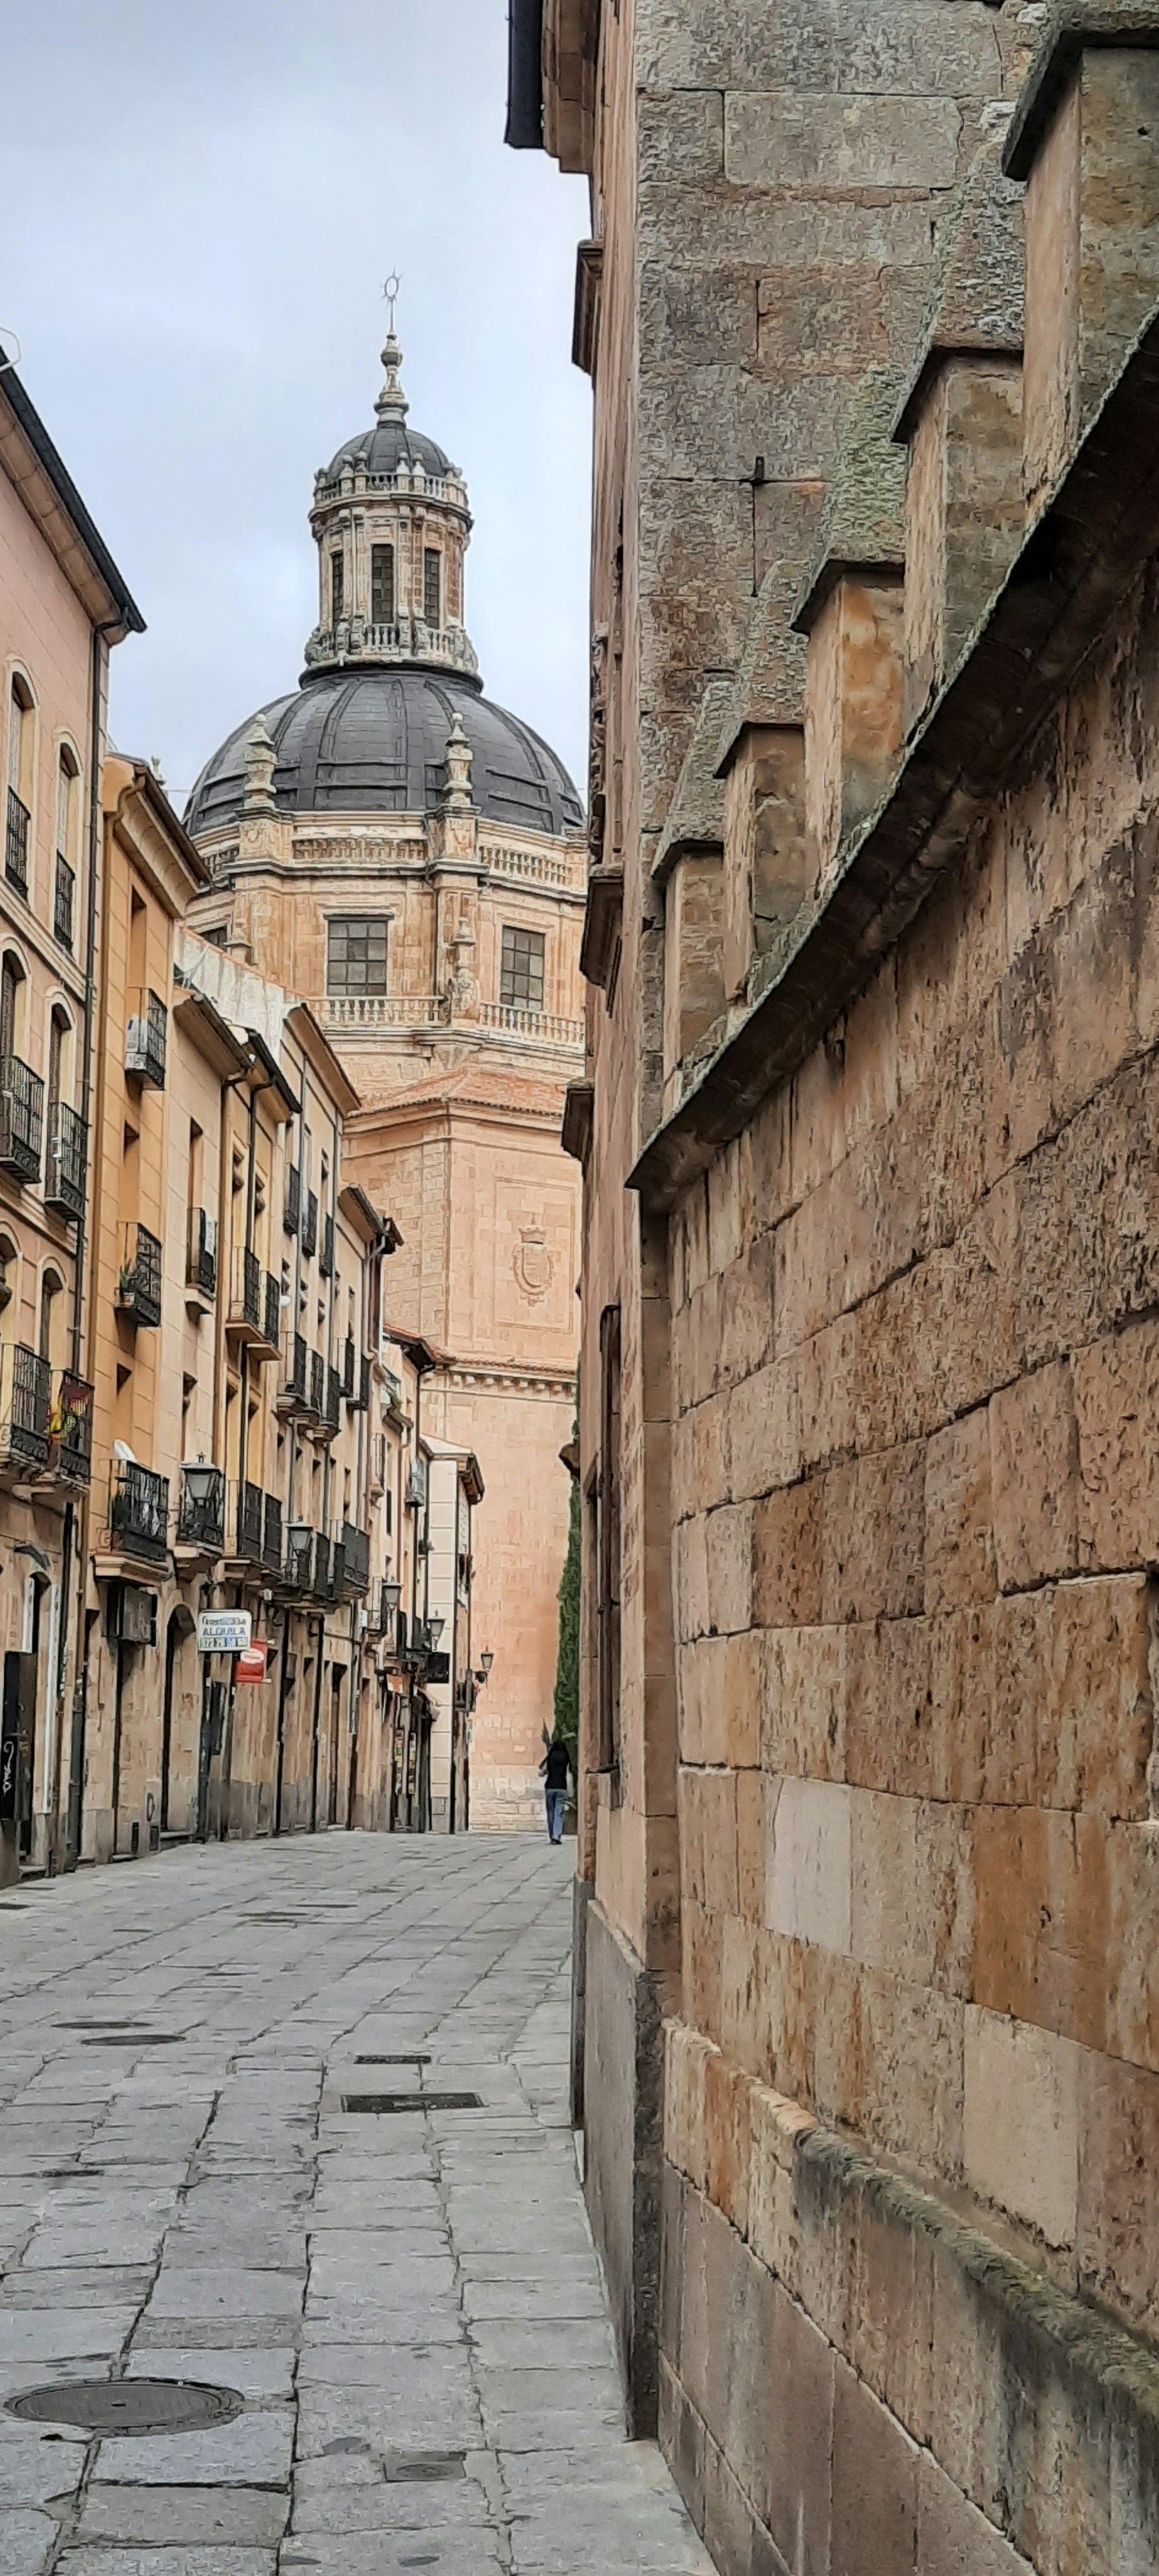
x=554, y=1771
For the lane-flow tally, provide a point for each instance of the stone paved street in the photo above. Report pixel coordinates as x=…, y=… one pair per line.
x=407, y=2304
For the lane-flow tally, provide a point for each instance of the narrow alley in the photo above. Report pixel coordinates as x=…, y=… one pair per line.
x=312, y=2331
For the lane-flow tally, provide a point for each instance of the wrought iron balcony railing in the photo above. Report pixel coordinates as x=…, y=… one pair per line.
x=146, y=1039
x=201, y=1510
x=362, y=1399
x=139, y=1511
x=333, y=1414
x=326, y=1254
x=25, y=1406
x=66, y=1160
x=249, y=1525
x=63, y=902
x=356, y=1549
x=349, y=1365
x=16, y=843
x=245, y=1301
x=295, y=1374
x=292, y=1216
x=320, y=1578
x=201, y=1252
x=272, y=1310
x=337, y=1584
x=21, y=1118
x=70, y=1429
x=271, y=1533
x=310, y=1223
x=317, y=1384
x=139, y=1278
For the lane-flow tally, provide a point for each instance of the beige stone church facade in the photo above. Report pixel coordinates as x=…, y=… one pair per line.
x=410, y=859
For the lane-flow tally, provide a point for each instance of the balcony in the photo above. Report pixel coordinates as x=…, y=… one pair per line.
x=293, y=1392
x=201, y=1253
x=249, y=1524
x=349, y=1367
x=332, y=1409
x=145, y=1040
x=356, y=1559
x=317, y=1385
x=139, y=1512
x=63, y=903
x=70, y=1429
x=16, y=843
x=320, y=1578
x=201, y=1510
x=326, y=1255
x=361, y=1401
x=337, y=1586
x=21, y=1119
x=292, y=1214
x=255, y=1306
x=310, y=1224
x=271, y=1534
x=66, y=1162
x=25, y=1408
x=139, y=1278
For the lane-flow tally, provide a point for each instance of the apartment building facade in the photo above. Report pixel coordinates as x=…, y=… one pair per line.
x=63, y=606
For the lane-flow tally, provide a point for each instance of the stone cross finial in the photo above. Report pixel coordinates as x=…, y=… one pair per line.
x=260, y=758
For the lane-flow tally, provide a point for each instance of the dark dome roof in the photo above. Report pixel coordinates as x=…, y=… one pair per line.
x=374, y=741
x=384, y=448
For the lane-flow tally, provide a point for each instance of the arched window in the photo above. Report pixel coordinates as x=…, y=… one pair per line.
x=67, y=803
x=52, y=1318
x=9, y=1284
x=20, y=768
x=60, y=1056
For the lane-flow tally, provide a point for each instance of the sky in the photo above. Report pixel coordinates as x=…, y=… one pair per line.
x=202, y=205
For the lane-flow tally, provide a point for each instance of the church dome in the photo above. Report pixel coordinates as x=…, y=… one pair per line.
x=373, y=741
x=386, y=447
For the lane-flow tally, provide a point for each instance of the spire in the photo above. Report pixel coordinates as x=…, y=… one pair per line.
x=392, y=403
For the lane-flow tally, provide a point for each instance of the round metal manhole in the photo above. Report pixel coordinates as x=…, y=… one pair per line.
x=107, y=2407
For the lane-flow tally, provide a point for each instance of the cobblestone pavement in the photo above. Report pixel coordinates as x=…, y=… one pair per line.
x=408, y=2304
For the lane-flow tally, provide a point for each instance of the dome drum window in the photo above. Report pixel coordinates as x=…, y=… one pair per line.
x=521, y=971
x=356, y=954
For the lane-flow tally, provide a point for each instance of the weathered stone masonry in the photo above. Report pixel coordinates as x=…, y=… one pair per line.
x=888, y=1297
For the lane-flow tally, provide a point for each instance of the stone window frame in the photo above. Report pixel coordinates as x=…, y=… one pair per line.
x=522, y=967
x=433, y=587
x=351, y=937
x=383, y=584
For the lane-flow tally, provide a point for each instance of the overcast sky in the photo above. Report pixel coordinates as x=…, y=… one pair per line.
x=202, y=204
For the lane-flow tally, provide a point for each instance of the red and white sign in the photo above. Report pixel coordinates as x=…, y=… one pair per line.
x=251, y=1663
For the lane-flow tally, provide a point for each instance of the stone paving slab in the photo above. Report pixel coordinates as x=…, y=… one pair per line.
x=407, y=2306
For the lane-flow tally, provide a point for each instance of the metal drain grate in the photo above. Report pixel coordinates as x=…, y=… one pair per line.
x=410, y=2057
x=125, y=2022
x=133, y=2039
x=422, y=2468
x=383, y=2102
x=72, y=2173
x=112, y=2406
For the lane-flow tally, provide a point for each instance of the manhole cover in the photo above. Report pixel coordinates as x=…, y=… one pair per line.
x=413, y=2058
x=110, y=2406
x=422, y=2468
x=383, y=2102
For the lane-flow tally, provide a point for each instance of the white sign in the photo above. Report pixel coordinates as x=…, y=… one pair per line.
x=224, y=1632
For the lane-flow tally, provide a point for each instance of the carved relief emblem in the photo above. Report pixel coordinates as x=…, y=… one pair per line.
x=532, y=1263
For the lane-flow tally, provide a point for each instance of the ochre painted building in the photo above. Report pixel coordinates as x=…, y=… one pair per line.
x=410, y=858
x=867, y=2004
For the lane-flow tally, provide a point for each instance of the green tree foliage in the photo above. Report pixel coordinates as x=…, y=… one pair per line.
x=567, y=1666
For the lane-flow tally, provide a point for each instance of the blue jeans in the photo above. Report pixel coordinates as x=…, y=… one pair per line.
x=556, y=1802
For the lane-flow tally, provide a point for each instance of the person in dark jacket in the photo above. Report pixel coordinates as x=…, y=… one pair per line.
x=554, y=1772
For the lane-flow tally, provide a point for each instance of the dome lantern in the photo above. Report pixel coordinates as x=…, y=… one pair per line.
x=391, y=522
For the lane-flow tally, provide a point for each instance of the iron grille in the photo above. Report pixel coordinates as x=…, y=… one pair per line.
x=201, y=1518
x=139, y=1283
x=272, y=1533
x=321, y=1570
x=250, y=1522
x=333, y=1413
x=246, y=1304
x=337, y=1581
x=272, y=1310
x=310, y=1223
x=349, y=1365
x=297, y=1360
x=139, y=1511
x=63, y=902
x=145, y=1040
x=317, y=1384
x=70, y=1428
x=326, y=1255
x=201, y=1256
x=16, y=843
x=25, y=1390
x=292, y=1215
x=362, y=1399
x=64, y=1178
x=356, y=1549
x=21, y=1118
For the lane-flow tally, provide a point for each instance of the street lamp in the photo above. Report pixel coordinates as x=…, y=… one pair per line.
x=391, y=1596
x=486, y=1660
x=435, y=1629
x=201, y=1485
